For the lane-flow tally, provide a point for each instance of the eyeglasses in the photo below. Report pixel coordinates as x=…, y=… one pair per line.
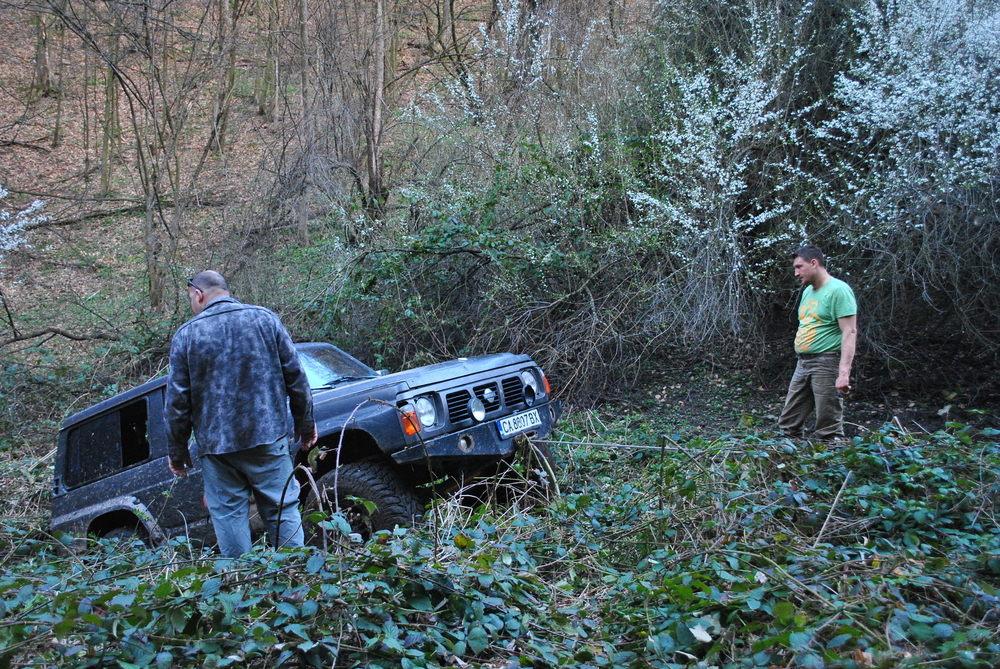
x=195, y=286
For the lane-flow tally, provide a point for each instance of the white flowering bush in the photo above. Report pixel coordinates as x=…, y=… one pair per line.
x=719, y=194
x=911, y=178
x=894, y=169
x=705, y=165
x=13, y=224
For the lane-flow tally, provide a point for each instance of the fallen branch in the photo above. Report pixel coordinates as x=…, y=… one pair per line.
x=25, y=145
x=49, y=223
x=71, y=197
x=104, y=213
x=60, y=332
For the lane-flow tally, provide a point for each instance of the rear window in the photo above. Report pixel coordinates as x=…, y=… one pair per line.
x=107, y=444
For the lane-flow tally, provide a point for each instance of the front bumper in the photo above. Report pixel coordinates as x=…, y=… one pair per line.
x=478, y=441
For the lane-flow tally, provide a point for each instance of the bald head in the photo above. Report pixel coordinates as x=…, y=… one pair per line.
x=209, y=281
x=205, y=287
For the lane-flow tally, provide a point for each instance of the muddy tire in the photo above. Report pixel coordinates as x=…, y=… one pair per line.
x=395, y=501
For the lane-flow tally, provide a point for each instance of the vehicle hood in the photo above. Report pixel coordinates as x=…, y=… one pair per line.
x=459, y=368
x=496, y=364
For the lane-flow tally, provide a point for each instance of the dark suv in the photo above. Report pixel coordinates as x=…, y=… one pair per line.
x=383, y=439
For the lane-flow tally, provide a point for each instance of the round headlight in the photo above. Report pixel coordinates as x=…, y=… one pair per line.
x=425, y=411
x=477, y=409
x=529, y=395
x=529, y=381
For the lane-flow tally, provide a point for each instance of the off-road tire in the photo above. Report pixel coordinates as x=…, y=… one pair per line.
x=396, y=502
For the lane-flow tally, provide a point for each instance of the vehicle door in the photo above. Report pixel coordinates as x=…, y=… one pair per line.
x=122, y=453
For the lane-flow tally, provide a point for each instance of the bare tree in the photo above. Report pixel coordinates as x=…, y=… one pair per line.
x=304, y=49
x=228, y=18
x=112, y=124
x=267, y=70
x=160, y=60
x=44, y=24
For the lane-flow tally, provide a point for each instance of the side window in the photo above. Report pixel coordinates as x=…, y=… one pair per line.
x=107, y=444
x=135, y=439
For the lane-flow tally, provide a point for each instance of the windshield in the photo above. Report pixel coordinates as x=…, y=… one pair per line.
x=326, y=365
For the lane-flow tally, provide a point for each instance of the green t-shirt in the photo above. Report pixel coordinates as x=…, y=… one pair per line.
x=819, y=310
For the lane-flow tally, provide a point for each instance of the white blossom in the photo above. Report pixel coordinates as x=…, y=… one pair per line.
x=13, y=224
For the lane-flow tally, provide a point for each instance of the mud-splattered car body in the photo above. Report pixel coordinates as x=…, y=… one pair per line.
x=393, y=432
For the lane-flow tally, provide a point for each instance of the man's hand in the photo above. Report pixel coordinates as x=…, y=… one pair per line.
x=180, y=467
x=843, y=383
x=307, y=441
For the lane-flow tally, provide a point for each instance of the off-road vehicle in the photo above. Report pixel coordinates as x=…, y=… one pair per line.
x=385, y=439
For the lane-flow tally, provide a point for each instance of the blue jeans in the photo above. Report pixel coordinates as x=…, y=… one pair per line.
x=230, y=479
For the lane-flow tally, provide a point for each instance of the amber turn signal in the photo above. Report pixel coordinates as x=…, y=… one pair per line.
x=411, y=424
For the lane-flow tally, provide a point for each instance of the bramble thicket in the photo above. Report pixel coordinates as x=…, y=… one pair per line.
x=614, y=188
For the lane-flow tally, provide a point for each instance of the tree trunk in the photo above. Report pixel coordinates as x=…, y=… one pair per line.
x=376, y=197
x=58, y=88
x=42, y=85
x=86, y=111
x=302, y=219
x=111, y=131
x=304, y=50
x=266, y=82
x=153, y=246
x=227, y=53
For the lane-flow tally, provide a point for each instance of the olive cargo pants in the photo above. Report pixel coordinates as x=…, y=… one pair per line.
x=814, y=386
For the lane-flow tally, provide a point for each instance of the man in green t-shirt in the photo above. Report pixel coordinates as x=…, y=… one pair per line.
x=824, y=343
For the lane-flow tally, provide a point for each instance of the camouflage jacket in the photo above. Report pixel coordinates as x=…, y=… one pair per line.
x=233, y=375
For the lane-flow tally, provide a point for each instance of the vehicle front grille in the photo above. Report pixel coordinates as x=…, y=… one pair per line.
x=458, y=405
x=488, y=391
x=513, y=391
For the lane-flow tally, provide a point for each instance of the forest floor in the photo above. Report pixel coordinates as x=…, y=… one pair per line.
x=701, y=399
x=731, y=547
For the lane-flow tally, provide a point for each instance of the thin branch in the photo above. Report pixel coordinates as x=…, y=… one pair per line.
x=10, y=317
x=60, y=332
x=833, y=508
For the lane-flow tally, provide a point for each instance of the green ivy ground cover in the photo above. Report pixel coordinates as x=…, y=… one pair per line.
x=745, y=551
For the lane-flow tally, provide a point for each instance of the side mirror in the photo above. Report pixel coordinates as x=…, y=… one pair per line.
x=382, y=372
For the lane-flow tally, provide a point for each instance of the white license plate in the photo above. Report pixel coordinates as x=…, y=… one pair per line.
x=519, y=422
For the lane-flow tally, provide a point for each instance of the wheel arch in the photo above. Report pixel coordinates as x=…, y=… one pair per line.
x=118, y=519
x=356, y=445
